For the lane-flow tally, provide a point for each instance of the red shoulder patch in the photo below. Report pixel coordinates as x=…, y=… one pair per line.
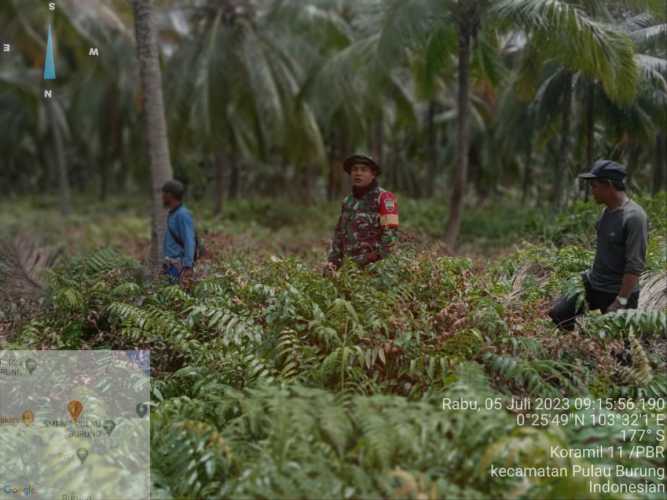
x=388, y=203
x=388, y=210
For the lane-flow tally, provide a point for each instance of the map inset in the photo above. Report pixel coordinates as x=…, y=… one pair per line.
x=75, y=424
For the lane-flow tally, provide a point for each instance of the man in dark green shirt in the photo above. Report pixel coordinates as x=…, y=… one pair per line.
x=622, y=237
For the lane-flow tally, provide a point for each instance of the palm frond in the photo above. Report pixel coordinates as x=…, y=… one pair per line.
x=653, y=69
x=566, y=33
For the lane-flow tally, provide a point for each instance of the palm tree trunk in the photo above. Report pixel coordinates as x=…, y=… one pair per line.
x=306, y=187
x=463, y=139
x=660, y=165
x=330, y=164
x=633, y=162
x=378, y=139
x=432, y=148
x=219, y=162
x=110, y=141
x=663, y=184
x=45, y=160
x=590, y=134
x=104, y=177
x=123, y=174
x=488, y=152
x=234, y=177
x=476, y=172
x=560, y=167
x=61, y=164
x=155, y=124
x=527, y=170
x=590, y=125
x=337, y=156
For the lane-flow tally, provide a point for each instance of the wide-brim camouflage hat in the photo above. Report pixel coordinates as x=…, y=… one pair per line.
x=363, y=160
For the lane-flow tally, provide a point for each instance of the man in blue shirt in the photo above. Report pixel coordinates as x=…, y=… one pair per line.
x=179, y=238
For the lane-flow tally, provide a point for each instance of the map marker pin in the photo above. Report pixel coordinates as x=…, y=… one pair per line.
x=82, y=453
x=74, y=408
x=28, y=417
x=30, y=365
x=142, y=409
x=109, y=426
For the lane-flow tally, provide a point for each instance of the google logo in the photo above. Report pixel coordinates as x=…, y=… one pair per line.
x=17, y=491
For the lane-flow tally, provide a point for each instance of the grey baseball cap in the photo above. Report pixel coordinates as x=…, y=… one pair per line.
x=605, y=169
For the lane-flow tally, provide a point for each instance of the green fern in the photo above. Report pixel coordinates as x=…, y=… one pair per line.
x=619, y=323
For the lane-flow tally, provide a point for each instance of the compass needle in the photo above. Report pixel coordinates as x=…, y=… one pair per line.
x=50, y=60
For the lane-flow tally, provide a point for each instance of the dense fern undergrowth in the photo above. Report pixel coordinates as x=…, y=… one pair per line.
x=271, y=381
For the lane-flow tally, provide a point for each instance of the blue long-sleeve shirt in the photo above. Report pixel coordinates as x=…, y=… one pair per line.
x=180, y=224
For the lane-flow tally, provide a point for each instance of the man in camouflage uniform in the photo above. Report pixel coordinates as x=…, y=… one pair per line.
x=367, y=229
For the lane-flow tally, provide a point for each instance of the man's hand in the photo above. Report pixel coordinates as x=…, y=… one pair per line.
x=615, y=306
x=186, y=277
x=329, y=269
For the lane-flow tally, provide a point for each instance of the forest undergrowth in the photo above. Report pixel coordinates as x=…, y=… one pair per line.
x=272, y=381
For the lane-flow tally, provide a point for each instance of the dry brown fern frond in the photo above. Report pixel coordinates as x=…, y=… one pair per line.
x=22, y=266
x=531, y=271
x=653, y=296
x=640, y=373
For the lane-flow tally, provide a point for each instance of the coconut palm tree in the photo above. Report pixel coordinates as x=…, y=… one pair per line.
x=557, y=27
x=242, y=94
x=155, y=123
x=102, y=110
x=571, y=68
x=629, y=123
x=360, y=102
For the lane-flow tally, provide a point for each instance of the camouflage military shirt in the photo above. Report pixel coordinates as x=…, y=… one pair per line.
x=367, y=229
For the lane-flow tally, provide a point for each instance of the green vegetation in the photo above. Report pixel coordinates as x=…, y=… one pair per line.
x=271, y=381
